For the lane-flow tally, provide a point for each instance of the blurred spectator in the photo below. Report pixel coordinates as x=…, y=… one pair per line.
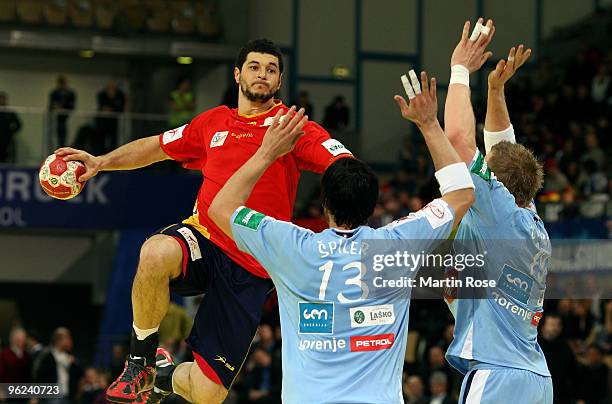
x=313, y=219
x=555, y=181
x=303, y=101
x=570, y=209
x=62, y=100
x=56, y=364
x=413, y=389
x=592, y=378
x=593, y=151
x=34, y=347
x=118, y=360
x=10, y=124
x=601, y=91
x=15, y=362
x=336, y=114
x=438, y=384
x=436, y=362
x=91, y=387
x=182, y=103
x=559, y=357
x=111, y=102
x=592, y=180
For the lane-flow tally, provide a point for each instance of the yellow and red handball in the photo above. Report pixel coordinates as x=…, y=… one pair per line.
x=60, y=179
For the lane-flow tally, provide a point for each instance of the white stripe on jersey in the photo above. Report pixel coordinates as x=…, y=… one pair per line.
x=466, y=350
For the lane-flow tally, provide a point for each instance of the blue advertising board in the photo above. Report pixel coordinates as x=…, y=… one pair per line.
x=111, y=200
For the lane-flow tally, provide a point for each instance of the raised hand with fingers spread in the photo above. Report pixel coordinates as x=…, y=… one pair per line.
x=283, y=134
x=505, y=69
x=471, y=52
x=422, y=107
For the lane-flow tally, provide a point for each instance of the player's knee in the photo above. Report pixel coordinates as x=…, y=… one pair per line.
x=204, y=390
x=160, y=256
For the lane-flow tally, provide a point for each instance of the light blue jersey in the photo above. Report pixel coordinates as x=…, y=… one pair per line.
x=341, y=342
x=502, y=328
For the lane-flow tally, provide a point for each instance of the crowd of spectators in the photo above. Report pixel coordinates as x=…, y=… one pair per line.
x=562, y=113
x=575, y=336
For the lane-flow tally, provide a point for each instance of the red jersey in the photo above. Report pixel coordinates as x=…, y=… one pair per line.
x=220, y=141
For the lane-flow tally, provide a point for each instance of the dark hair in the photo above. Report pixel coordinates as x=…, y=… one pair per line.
x=349, y=191
x=518, y=169
x=261, y=45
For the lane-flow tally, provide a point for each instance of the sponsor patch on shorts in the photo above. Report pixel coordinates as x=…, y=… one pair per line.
x=192, y=243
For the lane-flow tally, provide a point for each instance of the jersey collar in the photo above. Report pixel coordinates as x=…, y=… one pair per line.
x=256, y=117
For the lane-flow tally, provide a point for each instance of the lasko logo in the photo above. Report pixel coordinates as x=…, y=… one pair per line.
x=361, y=343
x=173, y=134
x=316, y=318
x=515, y=284
x=368, y=316
x=335, y=147
x=219, y=138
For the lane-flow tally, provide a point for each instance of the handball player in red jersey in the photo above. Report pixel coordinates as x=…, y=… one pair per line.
x=195, y=256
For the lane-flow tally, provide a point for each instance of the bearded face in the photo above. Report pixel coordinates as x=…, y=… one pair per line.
x=259, y=78
x=259, y=92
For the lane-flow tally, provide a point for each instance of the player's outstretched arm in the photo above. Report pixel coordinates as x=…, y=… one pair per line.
x=136, y=154
x=469, y=56
x=497, y=122
x=280, y=138
x=456, y=185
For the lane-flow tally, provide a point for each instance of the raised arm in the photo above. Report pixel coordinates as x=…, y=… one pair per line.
x=280, y=138
x=469, y=56
x=497, y=122
x=456, y=185
x=136, y=154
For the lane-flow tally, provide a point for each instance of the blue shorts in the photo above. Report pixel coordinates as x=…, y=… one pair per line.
x=230, y=312
x=487, y=384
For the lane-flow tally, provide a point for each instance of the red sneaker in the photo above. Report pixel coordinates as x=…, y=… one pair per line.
x=163, y=359
x=136, y=378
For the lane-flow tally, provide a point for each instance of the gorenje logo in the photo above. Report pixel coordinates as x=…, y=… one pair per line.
x=322, y=345
x=371, y=342
x=316, y=318
x=367, y=316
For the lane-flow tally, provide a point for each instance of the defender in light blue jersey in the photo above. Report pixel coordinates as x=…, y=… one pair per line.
x=495, y=339
x=341, y=343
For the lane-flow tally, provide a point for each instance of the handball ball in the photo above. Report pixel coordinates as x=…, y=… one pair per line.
x=60, y=179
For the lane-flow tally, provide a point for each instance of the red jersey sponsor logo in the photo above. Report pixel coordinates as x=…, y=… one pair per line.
x=361, y=343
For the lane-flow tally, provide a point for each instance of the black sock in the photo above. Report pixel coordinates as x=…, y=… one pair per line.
x=163, y=377
x=145, y=348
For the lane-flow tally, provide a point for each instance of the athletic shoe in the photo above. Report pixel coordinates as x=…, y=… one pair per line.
x=136, y=378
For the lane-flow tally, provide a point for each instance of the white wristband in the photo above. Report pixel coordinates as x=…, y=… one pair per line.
x=493, y=138
x=454, y=177
x=460, y=75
